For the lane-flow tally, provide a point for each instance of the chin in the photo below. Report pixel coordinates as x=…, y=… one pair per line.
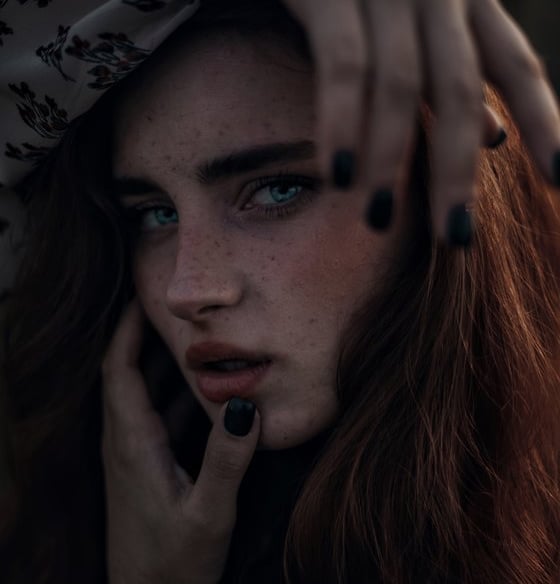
x=280, y=442
x=280, y=435
x=281, y=430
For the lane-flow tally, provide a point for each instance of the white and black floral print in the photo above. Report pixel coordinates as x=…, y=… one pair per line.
x=57, y=57
x=51, y=53
x=116, y=56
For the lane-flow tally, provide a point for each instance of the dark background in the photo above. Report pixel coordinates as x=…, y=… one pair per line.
x=540, y=19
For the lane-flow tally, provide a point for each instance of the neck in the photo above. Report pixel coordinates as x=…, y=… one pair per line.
x=266, y=499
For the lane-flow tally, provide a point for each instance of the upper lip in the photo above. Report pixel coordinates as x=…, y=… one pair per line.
x=198, y=355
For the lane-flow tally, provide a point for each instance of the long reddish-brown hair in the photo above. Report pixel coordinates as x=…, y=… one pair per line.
x=444, y=465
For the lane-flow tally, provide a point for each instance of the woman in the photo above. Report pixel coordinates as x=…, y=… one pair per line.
x=407, y=422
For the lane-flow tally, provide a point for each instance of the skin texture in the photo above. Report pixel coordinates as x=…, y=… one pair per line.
x=217, y=271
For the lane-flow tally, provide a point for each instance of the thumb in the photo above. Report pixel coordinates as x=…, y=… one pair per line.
x=231, y=445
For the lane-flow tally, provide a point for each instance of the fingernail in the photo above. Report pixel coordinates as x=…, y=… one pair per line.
x=343, y=167
x=239, y=416
x=380, y=210
x=459, y=227
x=502, y=137
x=556, y=168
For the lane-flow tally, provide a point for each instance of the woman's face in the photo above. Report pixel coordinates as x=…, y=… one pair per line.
x=213, y=261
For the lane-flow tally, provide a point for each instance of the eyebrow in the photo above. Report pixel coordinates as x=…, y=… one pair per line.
x=228, y=166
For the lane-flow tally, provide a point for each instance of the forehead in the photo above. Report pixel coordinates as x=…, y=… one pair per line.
x=220, y=89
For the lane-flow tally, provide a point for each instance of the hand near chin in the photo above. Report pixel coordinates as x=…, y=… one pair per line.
x=162, y=527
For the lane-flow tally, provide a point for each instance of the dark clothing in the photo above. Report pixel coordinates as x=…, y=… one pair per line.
x=266, y=499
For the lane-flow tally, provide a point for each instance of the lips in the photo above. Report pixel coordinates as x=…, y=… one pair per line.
x=220, y=386
x=199, y=355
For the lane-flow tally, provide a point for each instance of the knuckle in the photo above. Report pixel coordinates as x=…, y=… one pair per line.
x=530, y=64
x=345, y=59
x=464, y=90
x=463, y=93
x=122, y=453
x=400, y=87
x=209, y=527
x=197, y=520
x=224, y=465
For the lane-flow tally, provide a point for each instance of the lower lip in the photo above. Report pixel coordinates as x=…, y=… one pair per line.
x=220, y=387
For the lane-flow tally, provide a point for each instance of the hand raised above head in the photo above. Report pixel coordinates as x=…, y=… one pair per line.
x=161, y=525
x=444, y=51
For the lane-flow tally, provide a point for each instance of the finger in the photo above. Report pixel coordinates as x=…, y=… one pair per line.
x=457, y=96
x=124, y=390
x=338, y=44
x=494, y=131
x=395, y=101
x=512, y=65
x=227, y=457
x=134, y=436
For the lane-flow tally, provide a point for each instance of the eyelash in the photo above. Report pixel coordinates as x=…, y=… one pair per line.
x=279, y=211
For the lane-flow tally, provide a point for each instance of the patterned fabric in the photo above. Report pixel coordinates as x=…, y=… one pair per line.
x=57, y=57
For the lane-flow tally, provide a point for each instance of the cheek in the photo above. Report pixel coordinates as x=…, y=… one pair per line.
x=151, y=275
x=341, y=260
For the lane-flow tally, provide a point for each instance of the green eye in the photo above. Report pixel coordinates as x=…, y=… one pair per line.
x=287, y=194
x=293, y=191
x=149, y=217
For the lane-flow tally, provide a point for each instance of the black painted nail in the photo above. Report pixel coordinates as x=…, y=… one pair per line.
x=343, y=166
x=556, y=168
x=459, y=227
x=380, y=210
x=239, y=416
x=502, y=137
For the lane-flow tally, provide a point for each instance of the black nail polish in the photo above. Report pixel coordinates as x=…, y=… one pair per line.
x=380, y=210
x=459, y=227
x=502, y=137
x=239, y=416
x=343, y=167
x=556, y=169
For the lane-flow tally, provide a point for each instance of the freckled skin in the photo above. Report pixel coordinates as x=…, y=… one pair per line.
x=283, y=286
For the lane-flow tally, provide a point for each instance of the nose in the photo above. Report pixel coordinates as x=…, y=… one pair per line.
x=205, y=278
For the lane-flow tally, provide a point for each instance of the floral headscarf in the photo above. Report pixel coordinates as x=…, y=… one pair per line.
x=57, y=58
